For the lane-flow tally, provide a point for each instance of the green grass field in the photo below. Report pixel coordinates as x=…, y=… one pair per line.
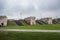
x=13, y=25
x=48, y=27
x=29, y=36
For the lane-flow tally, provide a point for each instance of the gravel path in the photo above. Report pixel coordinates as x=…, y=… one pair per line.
x=29, y=30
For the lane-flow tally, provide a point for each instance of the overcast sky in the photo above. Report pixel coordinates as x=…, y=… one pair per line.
x=23, y=8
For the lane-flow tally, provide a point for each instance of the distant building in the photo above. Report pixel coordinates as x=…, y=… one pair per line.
x=3, y=21
x=30, y=20
x=47, y=20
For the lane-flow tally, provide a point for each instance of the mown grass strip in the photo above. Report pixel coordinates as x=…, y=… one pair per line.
x=29, y=36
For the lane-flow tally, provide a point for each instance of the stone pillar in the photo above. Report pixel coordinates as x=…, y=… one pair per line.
x=32, y=22
x=50, y=21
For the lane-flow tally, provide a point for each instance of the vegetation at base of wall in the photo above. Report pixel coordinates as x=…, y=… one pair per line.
x=13, y=25
x=47, y=27
x=29, y=36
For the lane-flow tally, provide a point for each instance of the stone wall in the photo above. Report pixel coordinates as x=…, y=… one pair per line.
x=47, y=20
x=56, y=21
x=3, y=21
x=30, y=20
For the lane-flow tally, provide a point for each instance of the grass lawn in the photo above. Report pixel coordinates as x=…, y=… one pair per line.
x=49, y=27
x=13, y=25
x=29, y=36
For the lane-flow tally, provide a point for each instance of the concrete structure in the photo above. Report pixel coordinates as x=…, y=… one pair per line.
x=30, y=20
x=47, y=20
x=56, y=21
x=3, y=21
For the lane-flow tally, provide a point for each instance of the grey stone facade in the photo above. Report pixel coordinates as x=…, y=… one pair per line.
x=47, y=20
x=56, y=21
x=30, y=20
x=3, y=21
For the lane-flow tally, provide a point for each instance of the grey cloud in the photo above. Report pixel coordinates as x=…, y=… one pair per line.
x=50, y=5
x=36, y=8
x=2, y=5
